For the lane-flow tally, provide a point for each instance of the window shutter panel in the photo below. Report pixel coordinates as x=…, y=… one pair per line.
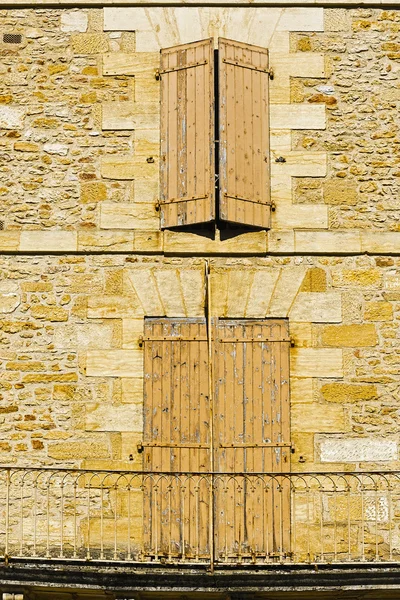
x=176, y=436
x=252, y=434
x=244, y=172
x=187, y=134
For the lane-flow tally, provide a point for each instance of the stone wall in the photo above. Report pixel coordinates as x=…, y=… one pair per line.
x=79, y=120
x=72, y=367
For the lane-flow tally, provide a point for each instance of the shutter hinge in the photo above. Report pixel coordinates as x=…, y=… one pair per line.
x=158, y=205
x=271, y=73
x=292, y=343
x=157, y=74
x=140, y=341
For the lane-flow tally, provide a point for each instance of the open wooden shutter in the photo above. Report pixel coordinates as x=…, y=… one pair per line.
x=187, y=134
x=252, y=435
x=244, y=172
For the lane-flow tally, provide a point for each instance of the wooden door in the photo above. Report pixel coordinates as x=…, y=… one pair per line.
x=252, y=436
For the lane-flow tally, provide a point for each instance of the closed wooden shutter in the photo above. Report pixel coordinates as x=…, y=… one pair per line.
x=176, y=436
x=252, y=435
x=187, y=134
x=244, y=171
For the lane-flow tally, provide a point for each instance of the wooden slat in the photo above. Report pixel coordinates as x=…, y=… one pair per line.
x=187, y=134
x=243, y=134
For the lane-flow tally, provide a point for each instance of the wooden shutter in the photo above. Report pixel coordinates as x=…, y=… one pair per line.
x=252, y=435
x=187, y=134
x=176, y=437
x=244, y=172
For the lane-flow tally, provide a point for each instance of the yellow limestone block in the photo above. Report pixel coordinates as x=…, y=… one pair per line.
x=114, y=363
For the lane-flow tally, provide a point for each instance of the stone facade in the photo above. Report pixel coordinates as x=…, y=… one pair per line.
x=83, y=259
x=72, y=365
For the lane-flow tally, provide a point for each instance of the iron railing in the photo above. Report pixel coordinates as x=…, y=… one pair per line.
x=203, y=518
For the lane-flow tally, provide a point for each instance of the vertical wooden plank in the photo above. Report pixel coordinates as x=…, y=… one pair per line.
x=244, y=120
x=171, y=156
x=187, y=134
x=190, y=153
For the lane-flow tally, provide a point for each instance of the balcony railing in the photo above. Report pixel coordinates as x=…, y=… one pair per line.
x=199, y=518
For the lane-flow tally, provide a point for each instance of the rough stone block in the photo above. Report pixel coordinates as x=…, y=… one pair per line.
x=148, y=241
x=191, y=243
x=135, y=63
x=10, y=297
x=43, y=241
x=105, y=240
x=147, y=88
x=316, y=362
x=127, y=167
x=132, y=330
x=301, y=164
x=11, y=117
x=49, y=313
x=350, y=336
x=118, y=116
x=170, y=292
x=300, y=216
x=9, y=240
x=146, y=190
x=378, y=311
x=89, y=43
x=316, y=417
x=93, y=191
x=56, y=148
x=192, y=283
x=297, y=116
x=112, y=307
x=132, y=390
x=286, y=289
x=359, y=278
x=74, y=20
x=323, y=242
x=357, y=450
x=125, y=18
x=340, y=192
x=143, y=283
x=337, y=19
x=108, y=417
x=302, y=334
x=114, y=363
x=301, y=390
x=301, y=19
x=75, y=450
x=317, y=307
x=314, y=281
x=380, y=242
x=119, y=215
x=300, y=64
x=260, y=294
x=346, y=393
x=280, y=242
x=130, y=115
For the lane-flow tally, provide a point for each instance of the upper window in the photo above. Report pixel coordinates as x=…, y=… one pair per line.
x=214, y=134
